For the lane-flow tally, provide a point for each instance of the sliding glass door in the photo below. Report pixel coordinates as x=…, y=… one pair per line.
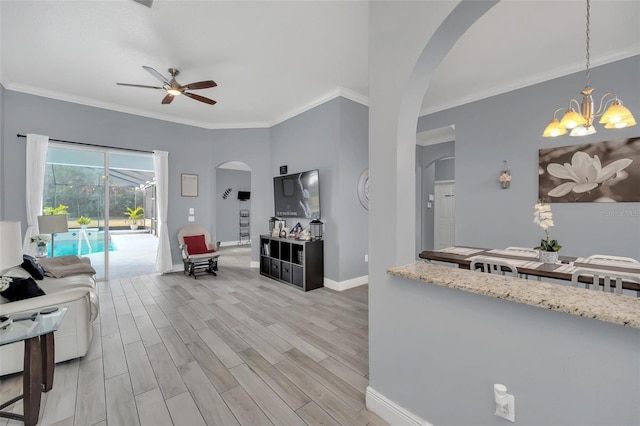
x=95, y=187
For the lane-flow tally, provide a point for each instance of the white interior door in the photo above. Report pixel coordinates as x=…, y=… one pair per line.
x=444, y=226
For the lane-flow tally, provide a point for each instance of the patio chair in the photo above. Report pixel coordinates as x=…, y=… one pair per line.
x=199, y=253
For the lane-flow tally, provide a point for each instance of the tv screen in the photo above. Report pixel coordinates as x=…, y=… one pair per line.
x=297, y=195
x=244, y=195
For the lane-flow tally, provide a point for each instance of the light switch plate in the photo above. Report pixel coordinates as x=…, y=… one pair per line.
x=192, y=210
x=431, y=197
x=191, y=219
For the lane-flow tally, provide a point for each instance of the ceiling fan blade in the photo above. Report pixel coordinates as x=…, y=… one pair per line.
x=156, y=74
x=167, y=99
x=200, y=98
x=200, y=85
x=139, y=85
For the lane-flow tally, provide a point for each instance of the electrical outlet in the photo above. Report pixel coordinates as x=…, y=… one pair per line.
x=191, y=219
x=366, y=257
x=507, y=410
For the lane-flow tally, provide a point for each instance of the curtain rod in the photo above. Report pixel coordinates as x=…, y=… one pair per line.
x=93, y=145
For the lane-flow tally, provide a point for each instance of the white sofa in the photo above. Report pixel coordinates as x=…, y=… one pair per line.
x=78, y=293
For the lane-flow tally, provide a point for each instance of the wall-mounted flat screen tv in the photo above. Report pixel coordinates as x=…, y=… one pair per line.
x=297, y=195
x=244, y=195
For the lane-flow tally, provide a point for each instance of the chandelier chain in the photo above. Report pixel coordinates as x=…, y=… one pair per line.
x=588, y=32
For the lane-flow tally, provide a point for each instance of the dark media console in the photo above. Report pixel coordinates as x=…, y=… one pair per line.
x=293, y=262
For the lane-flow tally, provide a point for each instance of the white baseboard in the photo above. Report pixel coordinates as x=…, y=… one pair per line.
x=178, y=268
x=390, y=411
x=232, y=243
x=346, y=285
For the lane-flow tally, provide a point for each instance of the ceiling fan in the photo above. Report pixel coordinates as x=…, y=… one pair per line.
x=173, y=88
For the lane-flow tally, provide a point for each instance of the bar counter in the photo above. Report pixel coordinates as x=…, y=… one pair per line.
x=608, y=307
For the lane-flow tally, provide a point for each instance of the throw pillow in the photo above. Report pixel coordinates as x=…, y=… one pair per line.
x=196, y=244
x=22, y=288
x=31, y=265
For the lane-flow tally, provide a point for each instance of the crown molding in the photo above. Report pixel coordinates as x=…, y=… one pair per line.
x=530, y=81
x=435, y=136
x=337, y=92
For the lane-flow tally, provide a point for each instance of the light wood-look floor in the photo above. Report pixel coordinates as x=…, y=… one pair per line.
x=236, y=349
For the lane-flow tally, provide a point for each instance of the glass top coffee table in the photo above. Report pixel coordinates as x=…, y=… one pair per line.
x=36, y=330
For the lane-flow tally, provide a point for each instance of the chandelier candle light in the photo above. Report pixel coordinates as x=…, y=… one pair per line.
x=579, y=120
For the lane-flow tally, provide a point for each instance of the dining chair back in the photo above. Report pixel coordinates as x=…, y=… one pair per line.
x=493, y=265
x=592, y=278
x=611, y=258
x=523, y=250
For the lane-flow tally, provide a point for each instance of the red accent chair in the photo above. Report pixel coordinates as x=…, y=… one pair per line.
x=199, y=253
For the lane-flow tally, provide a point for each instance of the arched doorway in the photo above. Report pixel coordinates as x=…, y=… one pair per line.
x=233, y=216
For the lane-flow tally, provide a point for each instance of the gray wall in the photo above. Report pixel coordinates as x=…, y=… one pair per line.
x=227, y=211
x=581, y=228
x=191, y=150
x=333, y=139
x=435, y=351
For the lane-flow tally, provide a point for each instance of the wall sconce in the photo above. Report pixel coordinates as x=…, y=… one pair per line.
x=505, y=176
x=316, y=229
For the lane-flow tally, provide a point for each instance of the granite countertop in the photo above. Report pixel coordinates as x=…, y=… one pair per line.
x=609, y=307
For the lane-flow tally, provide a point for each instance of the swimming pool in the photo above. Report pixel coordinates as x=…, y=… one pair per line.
x=67, y=247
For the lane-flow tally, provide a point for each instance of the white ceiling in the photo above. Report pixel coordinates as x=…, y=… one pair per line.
x=274, y=59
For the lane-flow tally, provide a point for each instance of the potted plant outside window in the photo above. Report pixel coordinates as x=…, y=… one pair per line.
x=83, y=221
x=61, y=209
x=134, y=216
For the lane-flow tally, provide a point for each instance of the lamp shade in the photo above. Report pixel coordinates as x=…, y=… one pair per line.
x=583, y=131
x=571, y=119
x=617, y=114
x=10, y=244
x=53, y=223
x=554, y=129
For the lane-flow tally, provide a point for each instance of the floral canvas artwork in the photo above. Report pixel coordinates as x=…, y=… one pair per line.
x=597, y=172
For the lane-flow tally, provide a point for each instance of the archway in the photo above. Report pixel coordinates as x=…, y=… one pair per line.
x=233, y=204
x=394, y=303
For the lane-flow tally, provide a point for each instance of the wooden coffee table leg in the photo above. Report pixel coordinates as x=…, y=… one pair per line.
x=32, y=380
x=47, y=348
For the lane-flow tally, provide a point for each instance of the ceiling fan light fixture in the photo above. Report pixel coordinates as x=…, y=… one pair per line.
x=174, y=92
x=580, y=122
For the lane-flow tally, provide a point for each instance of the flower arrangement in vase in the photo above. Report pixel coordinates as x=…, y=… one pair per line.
x=41, y=242
x=548, y=248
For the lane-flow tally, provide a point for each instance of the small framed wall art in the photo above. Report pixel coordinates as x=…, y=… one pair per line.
x=189, y=185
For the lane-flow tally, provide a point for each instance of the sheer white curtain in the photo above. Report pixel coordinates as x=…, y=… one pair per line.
x=161, y=168
x=36, y=163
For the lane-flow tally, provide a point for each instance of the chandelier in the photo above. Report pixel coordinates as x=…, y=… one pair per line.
x=578, y=118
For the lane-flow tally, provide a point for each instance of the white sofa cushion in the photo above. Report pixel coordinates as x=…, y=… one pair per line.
x=78, y=294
